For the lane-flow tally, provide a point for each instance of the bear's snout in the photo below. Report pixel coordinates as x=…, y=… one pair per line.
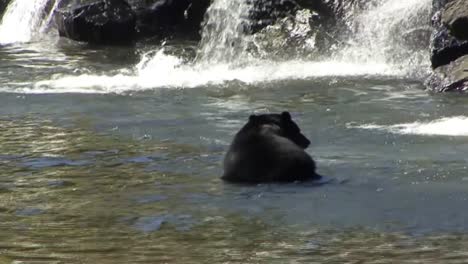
x=301, y=141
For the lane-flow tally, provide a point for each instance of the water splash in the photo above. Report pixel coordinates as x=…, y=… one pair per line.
x=223, y=38
x=160, y=70
x=224, y=53
x=448, y=126
x=289, y=37
x=390, y=31
x=25, y=19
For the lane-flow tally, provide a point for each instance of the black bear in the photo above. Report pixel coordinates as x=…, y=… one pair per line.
x=269, y=148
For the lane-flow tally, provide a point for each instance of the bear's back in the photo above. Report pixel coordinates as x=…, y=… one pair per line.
x=262, y=152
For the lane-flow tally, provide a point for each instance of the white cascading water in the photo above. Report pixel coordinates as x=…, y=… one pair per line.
x=24, y=19
x=384, y=31
x=224, y=55
x=223, y=38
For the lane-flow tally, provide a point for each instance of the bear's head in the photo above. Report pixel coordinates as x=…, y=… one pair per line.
x=287, y=127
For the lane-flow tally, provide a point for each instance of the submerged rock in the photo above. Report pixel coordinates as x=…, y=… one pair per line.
x=102, y=22
x=449, y=45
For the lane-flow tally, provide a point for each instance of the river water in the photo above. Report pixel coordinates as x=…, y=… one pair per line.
x=113, y=155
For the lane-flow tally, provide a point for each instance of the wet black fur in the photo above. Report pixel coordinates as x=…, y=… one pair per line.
x=269, y=148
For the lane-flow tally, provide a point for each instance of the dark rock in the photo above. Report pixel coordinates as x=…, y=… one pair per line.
x=328, y=13
x=102, y=22
x=171, y=18
x=450, y=77
x=3, y=6
x=162, y=19
x=267, y=12
x=332, y=21
x=449, y=46
x=95, y=22
x=445, y=47
x=328, y=24
x=455, y=17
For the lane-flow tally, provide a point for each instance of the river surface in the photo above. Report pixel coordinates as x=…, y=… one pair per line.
x=114, y=154
x=102, y=162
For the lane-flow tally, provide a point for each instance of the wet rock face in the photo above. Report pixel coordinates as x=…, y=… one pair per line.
x=171, y=18
x=455, y=17
x=119, y=21
x=451, y=77
x=103, y=22
x=3, y=6
x=446, y=48
x=449, y=45
x=267, y=12
x=96, y=21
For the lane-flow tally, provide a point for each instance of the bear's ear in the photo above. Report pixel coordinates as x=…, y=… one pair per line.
x=285, y=116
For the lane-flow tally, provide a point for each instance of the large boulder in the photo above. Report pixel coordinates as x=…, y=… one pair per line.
x=446, y=46
x=451, y=77
x=102, y=22
x=449, y=45
x=301, y=27
x=267, y=12
x=455, y=17
x=117, y=21
x=332, y=21
x=97, y=22
x=171, y=18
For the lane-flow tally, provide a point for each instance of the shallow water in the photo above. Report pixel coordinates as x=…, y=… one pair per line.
x=102, y=162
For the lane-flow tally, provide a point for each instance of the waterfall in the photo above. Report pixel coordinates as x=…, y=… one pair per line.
x=386, y=32
x=25, y=19
x=389, y=32
x=384, y=40
x=223, y=38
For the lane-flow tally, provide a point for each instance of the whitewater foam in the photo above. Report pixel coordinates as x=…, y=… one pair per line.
x=219, y=61
x=23, y=20
x=379, y=33
x=447, y=126
x=161, y=70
